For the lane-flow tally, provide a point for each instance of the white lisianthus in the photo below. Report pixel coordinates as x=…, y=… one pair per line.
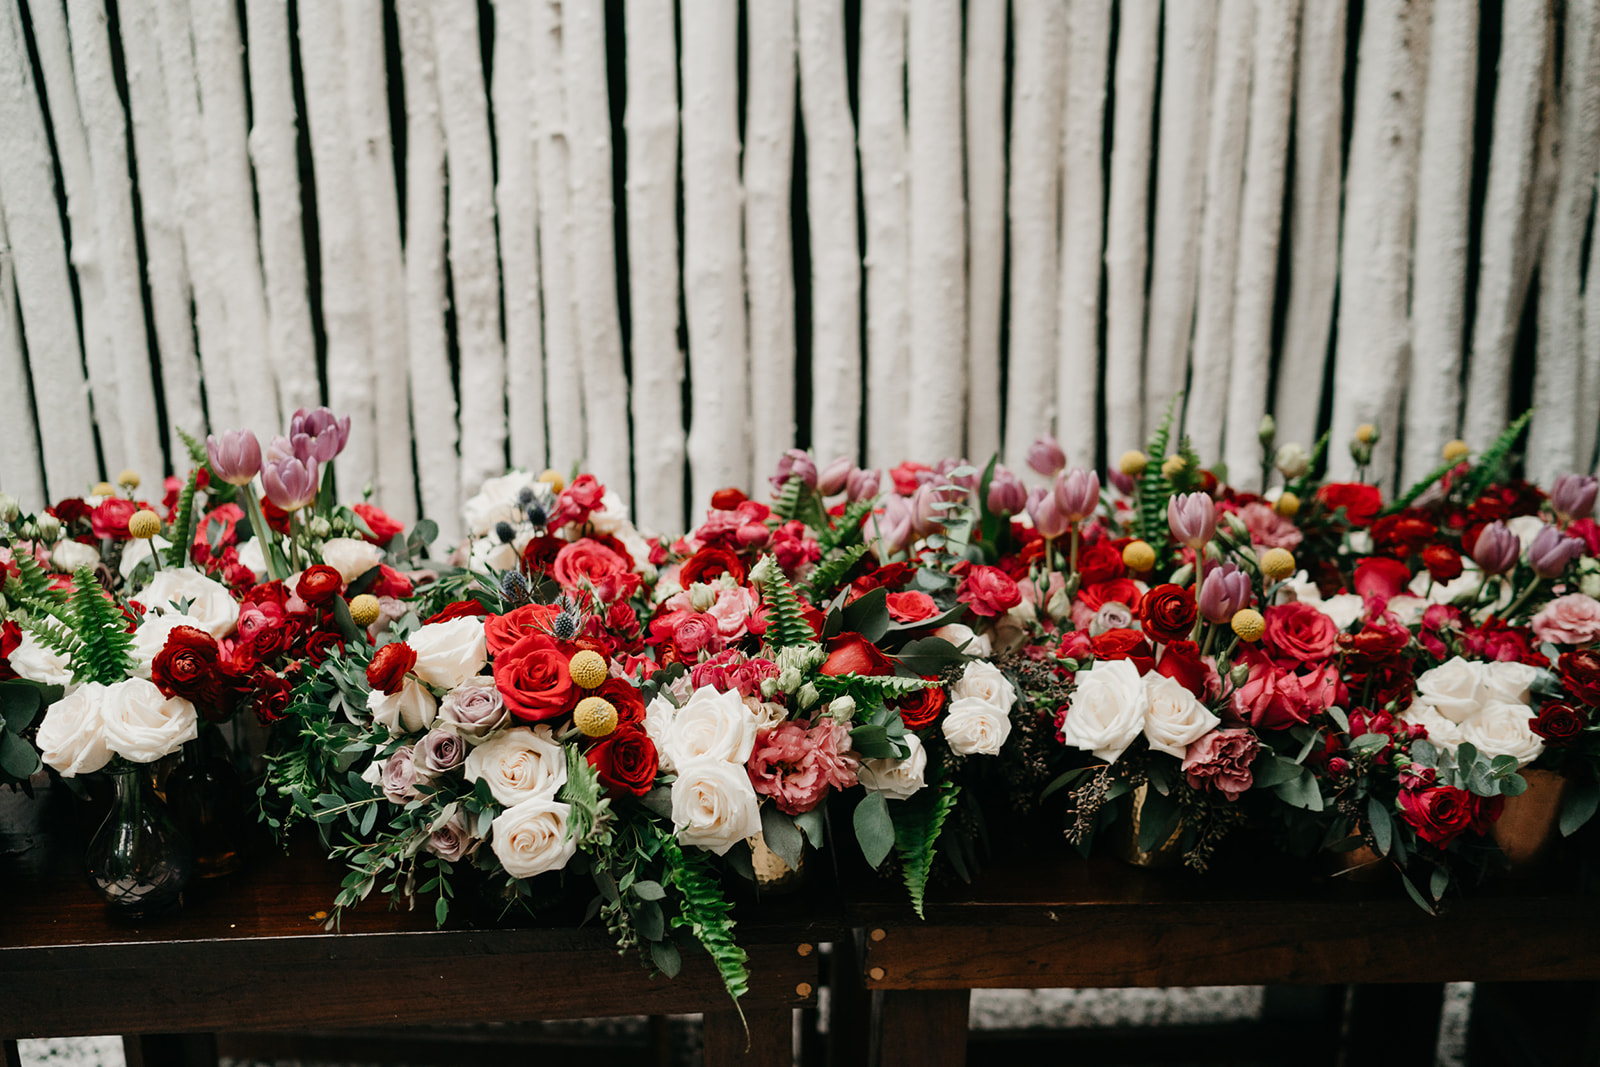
x=209, y=601
x=1175, y=718
x=143, y=725
x=984, y=681
x=449, y=653
x=897, y=779
x=72, y=737
x=151, y=637
x=963, y=638
x=38, y=663
x=710, y=724
x=975, y=727
x=531, y=837
x=1107, y=710
x=1455, y=688
x=714, y=805
x=413, y=708
x=1502, y=729
x=68, y=556
x=522, y=764
x=351, y=557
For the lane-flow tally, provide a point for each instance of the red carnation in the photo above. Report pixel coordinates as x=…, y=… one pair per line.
x=319, y=584
x=533, y=679
x=626, y=761
x=1167, y=612
x=387, y=671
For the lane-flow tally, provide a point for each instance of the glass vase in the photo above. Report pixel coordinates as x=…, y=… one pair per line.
x=138, y=860
x=206, y=797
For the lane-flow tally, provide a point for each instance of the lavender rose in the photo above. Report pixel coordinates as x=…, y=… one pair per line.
x=399, y=777
x=438, y=752
x=452, y=842
x=1222, y=759
x=474, y=710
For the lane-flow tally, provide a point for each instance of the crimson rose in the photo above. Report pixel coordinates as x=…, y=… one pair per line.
x=911, y=607
x=1299, y=633
x=853, y=654
x=1360, y=502
x=186, y=667
x=1124, y=644
x=533, y=679
x=1442, y=561
x=1580, y=673
x=1559, y=723
x=711, y=562
x=500, y=632
x=625, y=698
x=989, y=591
x=919, y=709
x=1167, y=612
x=319, y=584
x=1439, y=814
x=626, y=761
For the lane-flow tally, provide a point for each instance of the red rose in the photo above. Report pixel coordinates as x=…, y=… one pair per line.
x=1182, y=663
x=1100, y=563
x=10, y=639
x=1167, y=612
x=853, y=654
x=390, y=583
x=110, y=519
x=727, y=499
x=586, y=563
x=1559, y=723
x=1360, y=502
x=1440, y=814
x=319, y=584
x=501, y=632
x=533, y=679
x=1580, y=673
x=1403, y=535
x=624, y=697
x=1124, y=644
x=186, y=666
x=625, y=762
x=384, y=529
x=269, y=696
x=918, y=710
x=540, y=552
x=1442, y=561
x=320, y=645
x=710, y=562
x=1299, y=633
x=1381, y=577
x=911, y=607
x=1124, y=591
x=387, y=671
x=457, y=609
x=989, y=591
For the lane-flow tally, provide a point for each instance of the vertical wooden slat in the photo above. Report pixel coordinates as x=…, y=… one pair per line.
x=1038, y=95
x=1313, y=221
x=938, y=230
x=274, y=148
x=831, y=209
x=884, y=195
x=771, y=81
x=1591, y=346
x=20, y=473
x=594, y=266
x=163, y=233
x=517, y=211
x=986, y=221
x=1438, y=303
x=1188, y=50
x=713, y=249
x=1082, y=225
x=1380, y=198
x=1127, y=245
x=1519, y=83
x=1261, y=214
x=433, y=406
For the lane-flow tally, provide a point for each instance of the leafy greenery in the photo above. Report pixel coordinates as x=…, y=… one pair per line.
x=105, y=654
x=703, y=911
x=1426, y=482
x=846, y=529
x=786, y=620
x=197, y=451
x=1154, y=489
x=1492, y=461
x=832, y=571
x=183, y=522
x=917, y=824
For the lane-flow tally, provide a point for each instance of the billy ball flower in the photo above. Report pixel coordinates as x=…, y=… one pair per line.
x=364, y=609
x=1138, y=556
x=1173, y=466
x=128, y=479
x=144, y=524
x=588, y=670
x=103, y=489
x=553, y=479
x=1277, y=564
x=1133, y=463
x=1249, y=625
x=1288, y=505
x=1456, y=450
x=595, y=717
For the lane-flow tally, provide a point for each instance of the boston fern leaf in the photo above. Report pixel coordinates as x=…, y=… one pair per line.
x=704, y=912
x=846, y=529
x=106, y=654
x=196, y=450
x=53, y=635
x=183, y=522
x=1154, y=488
x=1409, y=497
x=786, y=620
x=34, y=581
x=1492, y=462
x=787, y=503
x=831, y=572
x=917, y=823
x=868, y=689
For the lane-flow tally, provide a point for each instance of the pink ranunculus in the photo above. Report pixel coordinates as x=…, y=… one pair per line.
x=1273, y=698
x=1221, y=760
x=732, y=669
x=796, y=766
x=989, y=591
x=588, y=563
x=1378, y=578
x=1268, y=529
x=1573, y=619
x=254, y=618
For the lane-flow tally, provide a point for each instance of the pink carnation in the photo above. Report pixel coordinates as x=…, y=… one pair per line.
x=1573, y=619
x=795, y=766
x=1268, y=529
x=1222, y=759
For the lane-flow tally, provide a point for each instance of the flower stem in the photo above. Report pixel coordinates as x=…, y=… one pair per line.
x=1511, y=611
x=258, y=525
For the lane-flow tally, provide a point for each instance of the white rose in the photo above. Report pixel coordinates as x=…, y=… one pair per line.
x=496, y=501
x=136, y=551
x=1507, y=682
x=1526, y=527
x=964, y=639
x=39, y=663
x=1107, y=710
x=896, y=778
x=68, y=556
x=522, y=764
x=1175, y=718
x=141, y=724
x=252, y=555
x=413, y=708
x=492, y=554
x=1343, y=609
x=711, y=724
x=351, y=557
x=531, y=838
x=209, y=601
x=474, y=710
x=1408, y=609
x=714, y=805
x=151, y=637
x=658, y=716
x=1501, y=729
x=1442, y=732
x=974, y=726
x=1454, y=688
x=449, y=653
x=984, y=681
x=72, y=737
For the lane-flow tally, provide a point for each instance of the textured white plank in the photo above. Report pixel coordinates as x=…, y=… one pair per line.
x=433, y=403
x=884, y=196
x=1127, y=247
x=166, y=270
x=594, y=267
x=1591, y=344
x=713, y=249
x=1519, y=82
x=274, y=149
x=938, y=229
x=986, y=222
x=1313, y=220
x=1188, y=56
x=219, y=68
x=1438, y=303
x=1082, y=225
x=1206, y=404
x=20, y=473
x=831, y=208
x=474, y=252
x=769, y=249
x=1261, y=213
x=1038, y=97
x=1380, y=198
x=105, y=122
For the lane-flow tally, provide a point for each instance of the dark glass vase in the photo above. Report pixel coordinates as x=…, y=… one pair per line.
x=138, y=860
x=206, y=797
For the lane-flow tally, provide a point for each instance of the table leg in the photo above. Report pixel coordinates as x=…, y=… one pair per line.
x=170, y=1050
x=849, y=1005
x=769, y=1043
x=13, y=1057
x=921, y=1027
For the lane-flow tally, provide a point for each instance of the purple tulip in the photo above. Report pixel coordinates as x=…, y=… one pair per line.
x=1007, y=494
x=1573, y=496
x=1078, y=494
x=1497, y=549
x=863, y=484
x=794, y=464
x=1551, y=552
x=966, y=481
x=1192, y=518
x=1046, y=514
x=1046, y=456
x=235, y=456
x=291, y=484
x=835, y=476
x=1225, y=590
x=1122, y=483
x=328, y=435
x=894, y=525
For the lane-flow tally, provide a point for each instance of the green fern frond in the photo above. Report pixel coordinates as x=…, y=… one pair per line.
x=33, y=579
x=917, y=824
x=1154, y=488
x=787, y=503
x=1410, y=496
x=589, y=824
x=106, y=655
x=831, y=572
x=1491, y=464
x=786, y=620
x=846, y=529
x=703, y=911
x=39, y=607
x=53, y=634
x=867, y=689
x=196, y=449
x=183, y=522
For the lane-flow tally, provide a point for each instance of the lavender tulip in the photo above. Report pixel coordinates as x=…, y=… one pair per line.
x=863, y=484
x=1497, y=549
x=1078, y=494
x=1046, y=514
x=235, y=456
x=1046, y=456
x=1007, y=494
x=1121, y=482
x=1573, y=496
x=894, y=525
x=835, y=476
x=1225, y=590
x=328, y=434
x=794, y=464
x=1551, y=552
x=1192, y=518
x=290, y=483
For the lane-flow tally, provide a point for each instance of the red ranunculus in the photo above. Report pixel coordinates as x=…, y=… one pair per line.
x=1182, y=663
x=626, y=761
x=387, y=671
x=1439, y=814
x=1442, y=561
x=1580, y=673
x=1124, y=591
x=911, y=606
x=1167, y=612
x=186, y=667
x=1100, y=563
x=71, y=510
x=1299, y=633
x=1360, y=502
x=918, y=710
x=989, y=591
x=390, y=583
x=319, y=584
x=853, y=654
x=110, y=519
x=533, y=680
x=1559, y=723
x=711, y=562
x=1124, y=644
x=457, y=609
x=500, y=632
x=384, y=529
x=276, y=517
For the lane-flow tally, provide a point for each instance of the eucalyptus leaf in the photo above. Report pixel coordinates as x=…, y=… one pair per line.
x=650, y=920
x=648, y=890
x=868, y=614
x=782, y=836
x=666, y=958
x=1579, y=807
x=1382, y=825
x=811, y=823
x=17, y=757
x=874, y=828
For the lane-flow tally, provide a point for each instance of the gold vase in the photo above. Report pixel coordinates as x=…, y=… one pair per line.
x=1527, y=825
x=1168, y=853
x=773, y=876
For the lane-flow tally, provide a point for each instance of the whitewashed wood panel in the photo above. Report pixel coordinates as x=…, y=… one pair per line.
x=20, y=473
x=885, y=199
x=986, y=220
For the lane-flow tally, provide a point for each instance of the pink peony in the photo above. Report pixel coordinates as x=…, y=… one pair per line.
x=1221, y=759
x=1573, y=619
x=795, y=766
x=1268, y=529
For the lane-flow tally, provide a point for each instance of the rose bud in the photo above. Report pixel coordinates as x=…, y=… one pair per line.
x=794, y=464
x=1192, y=518
x=1338, y=766
x=835, y=476
x=1077, y=494
x=1573, y=496
x=235, y=456
x=1497, y=549
x=1046, y=456
x=1225, y=590
x=1007, y=494
x=863, y=484
x=1551, y=552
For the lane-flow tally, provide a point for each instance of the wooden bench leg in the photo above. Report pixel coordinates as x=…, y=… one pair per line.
x=170, y=1050
x=921, y=1027
x=770, y=1042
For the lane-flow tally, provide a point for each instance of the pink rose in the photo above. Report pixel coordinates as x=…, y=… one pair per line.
x=732, y=612
x=1299, y=633
x=399, y=777
x=1221, y=760
x=795, y=766
x=1275, y=699
x=1573, y=619
x=1268, y=529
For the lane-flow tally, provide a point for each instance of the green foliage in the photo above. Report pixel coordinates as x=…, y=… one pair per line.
x=30, y=589
x=1301, y=484
x=195, y=448
x=1155, y=489
x=867, y=689
x=874, y=828
x=589, y=824
x=786, y=505
x=1410, y=496
x=105, y=654
x=183, y=522
x=846, y=529
x=1491, y=463
x=917, y=824
x=786, y=620
x=703, y=910
x=831, y=572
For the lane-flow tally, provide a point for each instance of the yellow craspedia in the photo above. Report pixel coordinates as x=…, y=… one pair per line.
x=595, y=717
x=1457, y=449
x=1133, y=463
x=364, y=609
x=1138, y=556
x=1277, y=563
x=144, y=524
x=103, y=489
x=588, y=669
x=1249, y=625
x=129, y=478
x=1288, y=505
x=1173, y=465
x=1367, y=433
x=553, y=479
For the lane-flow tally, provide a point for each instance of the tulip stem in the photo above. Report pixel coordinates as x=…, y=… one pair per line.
x=263, y=532
x=1072, y=565
x=1211, y=636
x=1511, y=612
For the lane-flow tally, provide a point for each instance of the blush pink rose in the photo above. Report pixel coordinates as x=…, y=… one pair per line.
x=796, y=767
x=1221, y=760
x=733, y=610
x=1573, y=619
